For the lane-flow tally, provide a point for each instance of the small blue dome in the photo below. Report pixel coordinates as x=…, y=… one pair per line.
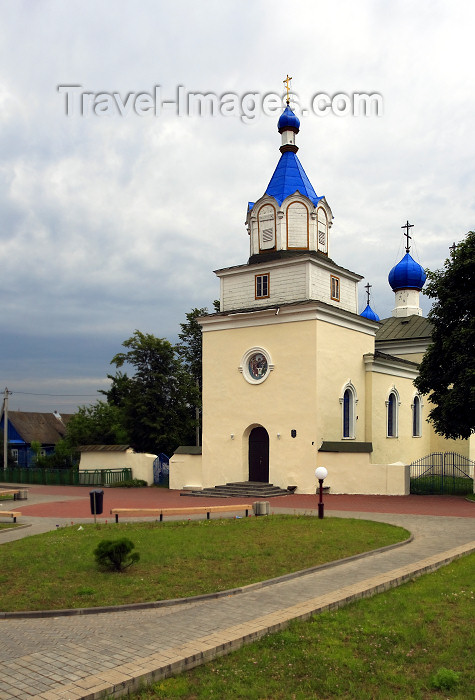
x=288, y=120
x=369, y=313
x=407, y=274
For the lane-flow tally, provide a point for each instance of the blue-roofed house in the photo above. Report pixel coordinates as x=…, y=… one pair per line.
x=25, y=427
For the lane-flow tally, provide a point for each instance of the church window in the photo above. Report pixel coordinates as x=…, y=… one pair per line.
x=348, y=403
x=266, y=226
x=335, y=288
x=392, y=414
x=416, y=417
x=322, y=227
x=297, y=226
x=262, y=286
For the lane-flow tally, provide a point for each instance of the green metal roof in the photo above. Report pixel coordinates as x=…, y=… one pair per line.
x=404, y=328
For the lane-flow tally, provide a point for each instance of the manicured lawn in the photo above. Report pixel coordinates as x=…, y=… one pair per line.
x=177, y=559
x=413, y=642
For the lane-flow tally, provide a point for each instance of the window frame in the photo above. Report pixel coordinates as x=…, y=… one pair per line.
x=322, y=247
x=416, y=407
x=392, y=414
x=348, y=412
x=335, y=288
x=259, y=280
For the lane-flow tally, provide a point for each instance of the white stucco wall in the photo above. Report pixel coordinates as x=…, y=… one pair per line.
x=186, y=471
x=141, y=463
x=354, y=473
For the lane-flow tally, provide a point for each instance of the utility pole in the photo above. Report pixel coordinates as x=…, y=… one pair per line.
x=5, y=428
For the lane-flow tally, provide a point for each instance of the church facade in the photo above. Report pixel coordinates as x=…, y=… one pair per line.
x=294, y=377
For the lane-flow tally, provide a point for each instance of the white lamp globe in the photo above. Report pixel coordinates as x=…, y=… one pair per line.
x=321, y=473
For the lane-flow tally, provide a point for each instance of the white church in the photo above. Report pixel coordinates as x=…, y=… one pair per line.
x=294, y=377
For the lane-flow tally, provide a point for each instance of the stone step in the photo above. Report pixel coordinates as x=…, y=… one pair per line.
x=246, y=489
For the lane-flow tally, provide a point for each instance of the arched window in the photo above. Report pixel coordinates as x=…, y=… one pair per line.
x=322, y=232
x=297, y=226
x=392, y=405
x=416, y=416
x=266, y=226
x=348, y=403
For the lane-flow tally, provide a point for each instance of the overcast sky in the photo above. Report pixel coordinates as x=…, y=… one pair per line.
x=111, y=223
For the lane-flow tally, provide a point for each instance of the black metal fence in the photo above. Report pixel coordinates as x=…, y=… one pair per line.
x=65, y=477
x=442, y=473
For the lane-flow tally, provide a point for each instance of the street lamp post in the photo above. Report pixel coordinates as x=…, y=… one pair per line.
x=321, y=473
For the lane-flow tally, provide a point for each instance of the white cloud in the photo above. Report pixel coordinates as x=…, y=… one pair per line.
x=108, y=224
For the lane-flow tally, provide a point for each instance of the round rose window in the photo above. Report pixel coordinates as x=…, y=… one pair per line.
x=256, y=365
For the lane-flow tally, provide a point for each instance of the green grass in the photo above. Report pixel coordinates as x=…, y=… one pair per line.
x=471, y=496
x=414, y=642
x=177, y=559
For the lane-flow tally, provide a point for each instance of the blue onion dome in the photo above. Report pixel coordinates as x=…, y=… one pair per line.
x=369, y=313
x=407, y=274
x=288, y=120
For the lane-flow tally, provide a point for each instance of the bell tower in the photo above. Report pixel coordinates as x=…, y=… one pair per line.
x=289, y=216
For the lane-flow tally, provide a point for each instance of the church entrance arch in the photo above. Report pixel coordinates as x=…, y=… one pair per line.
x=259, y=455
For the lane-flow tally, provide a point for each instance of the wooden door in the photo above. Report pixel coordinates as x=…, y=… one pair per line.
x=259, y=455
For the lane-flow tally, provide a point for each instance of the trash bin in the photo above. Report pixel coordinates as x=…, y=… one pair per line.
x=22, y=495
x=97, y=500
x=261, y=507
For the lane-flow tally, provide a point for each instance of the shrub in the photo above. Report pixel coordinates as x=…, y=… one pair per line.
x=116, y=555
x=445, y=679
x=130, y=483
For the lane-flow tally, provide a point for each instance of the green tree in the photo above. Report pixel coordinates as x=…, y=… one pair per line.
x=157, y=402
x=447, y=371
x=36, y=449
x=190, y=350
x=10, y=461
x=63, y=457
x=100, y=424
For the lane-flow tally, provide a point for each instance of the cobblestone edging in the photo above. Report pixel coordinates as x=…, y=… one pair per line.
x=129, y=677
x=194, y=599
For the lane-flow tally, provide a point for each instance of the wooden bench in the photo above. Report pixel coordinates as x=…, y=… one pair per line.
x=13, y=513
x=137, y=512
x=18, y=494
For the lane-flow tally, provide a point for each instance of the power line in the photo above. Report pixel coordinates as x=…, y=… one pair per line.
x=29, y=393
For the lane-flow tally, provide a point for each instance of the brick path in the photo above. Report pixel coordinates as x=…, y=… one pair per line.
x=87, y=656
x=73, y=502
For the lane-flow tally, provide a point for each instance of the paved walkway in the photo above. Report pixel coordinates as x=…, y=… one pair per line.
x=88, y=656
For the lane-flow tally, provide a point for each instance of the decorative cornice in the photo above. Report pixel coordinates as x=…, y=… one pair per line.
x=275, y=259
x=288, y=313
x=406, y=346
x=388, y=364
x=289, y=146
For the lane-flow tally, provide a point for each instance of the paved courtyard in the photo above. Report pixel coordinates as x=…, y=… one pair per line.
x=107, y=653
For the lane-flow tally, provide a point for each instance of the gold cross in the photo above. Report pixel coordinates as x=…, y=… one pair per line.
x=287, y=86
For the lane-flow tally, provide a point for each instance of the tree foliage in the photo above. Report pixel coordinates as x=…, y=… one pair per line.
x=190, y=347
x=190, y=351
x=157, y=401
x=155, y=405
x=100, y=424
x=447, y=371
